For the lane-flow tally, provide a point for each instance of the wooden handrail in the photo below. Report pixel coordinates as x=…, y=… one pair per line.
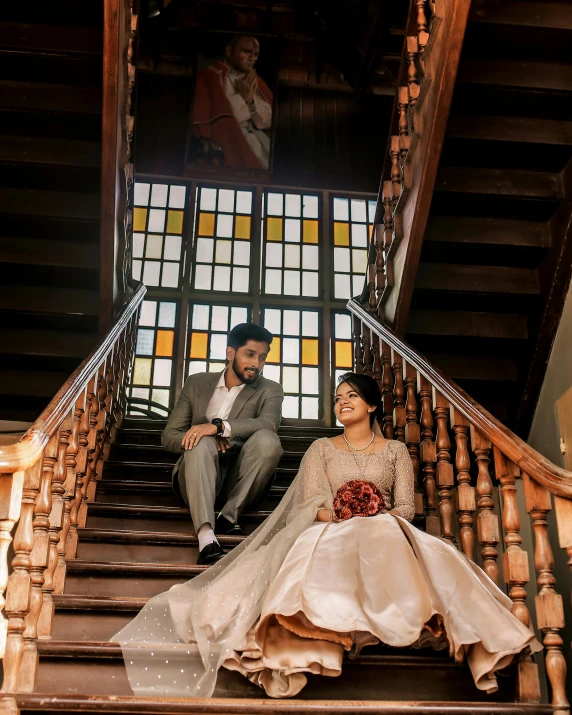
x=25, y=453
x=557, y=480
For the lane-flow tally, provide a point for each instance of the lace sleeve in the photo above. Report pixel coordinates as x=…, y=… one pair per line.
x=403, y=494
x=314, y=469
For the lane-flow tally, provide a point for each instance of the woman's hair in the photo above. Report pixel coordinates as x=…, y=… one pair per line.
x=367, y=388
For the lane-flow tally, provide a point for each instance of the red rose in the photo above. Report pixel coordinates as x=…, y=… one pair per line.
x=358, y=498
x=346, y=513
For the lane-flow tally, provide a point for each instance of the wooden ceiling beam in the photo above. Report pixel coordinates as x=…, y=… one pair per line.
x=550, y=15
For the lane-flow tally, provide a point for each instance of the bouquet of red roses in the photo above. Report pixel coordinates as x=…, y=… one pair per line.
x=358, y=498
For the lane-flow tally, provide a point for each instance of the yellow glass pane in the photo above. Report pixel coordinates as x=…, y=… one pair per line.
x=199, y=346
x=206, y=224
x=309, y=352
x=242, y=227
x=344, y=357
x=274, y=354
x=175, y=221
x=370, y=231
x=139, y=219
x=274, y=229
x=310, y=231
x=165, y=340
x=341, y=234
x=142, y=371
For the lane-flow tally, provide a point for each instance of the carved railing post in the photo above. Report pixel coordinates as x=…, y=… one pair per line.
x=81, y=468
x=413, y=432
x=445, y=479
x=91, y=410
x=428, y=457
x=358, y=352
x=412, y=50
x=387, y=391
x=367, y=354
x=399, y=417
x=487, y=521
x=377, y=364
x=465, y=493
x=380, y=265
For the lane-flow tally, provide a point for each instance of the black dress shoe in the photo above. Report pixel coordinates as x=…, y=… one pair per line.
x=210, y=554
x=224, y=526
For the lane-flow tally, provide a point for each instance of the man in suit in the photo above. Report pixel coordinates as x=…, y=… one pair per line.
x=225, y=426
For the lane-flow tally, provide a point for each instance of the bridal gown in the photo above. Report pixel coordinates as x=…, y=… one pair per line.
x=299, y=593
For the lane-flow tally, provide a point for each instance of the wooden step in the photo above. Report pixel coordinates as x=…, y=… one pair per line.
x=46, y=203
x=478, y=279
x=34, y=383
x=44, y=299
x=498, y=368
x=543, y=76
x=538, y=185
x=510, y=129
x=48, y=252
x=90, y=618
x=510, y=326
x=65, y=13
x=38, y=96
x=487, y=231
x=548, y=14
x=27, y=37
x=50, y=150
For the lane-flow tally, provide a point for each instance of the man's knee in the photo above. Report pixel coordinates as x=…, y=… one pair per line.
x=205, y=448
x=266, y=442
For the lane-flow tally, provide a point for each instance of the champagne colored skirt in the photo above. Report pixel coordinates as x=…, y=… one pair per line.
x=346, y=585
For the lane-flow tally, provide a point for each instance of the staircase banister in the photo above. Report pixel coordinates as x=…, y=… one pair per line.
x=25, y=453
x=557, y=480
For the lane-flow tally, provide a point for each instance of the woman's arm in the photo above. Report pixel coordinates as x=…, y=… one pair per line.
x=403, y=492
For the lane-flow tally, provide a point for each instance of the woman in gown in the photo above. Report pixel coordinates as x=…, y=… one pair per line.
x=306, y=587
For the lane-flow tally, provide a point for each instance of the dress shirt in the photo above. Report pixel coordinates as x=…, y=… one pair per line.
x=221, y=403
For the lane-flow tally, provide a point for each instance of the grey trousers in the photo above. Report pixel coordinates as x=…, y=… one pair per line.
x=237, y=477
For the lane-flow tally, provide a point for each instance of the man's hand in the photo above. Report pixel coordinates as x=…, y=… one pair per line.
x=196, y=433
x=222, y=444
x=246, y=86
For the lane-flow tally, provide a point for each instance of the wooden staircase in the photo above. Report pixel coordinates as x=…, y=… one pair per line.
x=50, y=153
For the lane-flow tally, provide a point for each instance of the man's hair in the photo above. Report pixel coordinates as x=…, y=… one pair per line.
x=243, y=332
x=235, y=38
x=368, y=389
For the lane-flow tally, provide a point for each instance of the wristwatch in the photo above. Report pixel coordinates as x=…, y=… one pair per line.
x=218, y=423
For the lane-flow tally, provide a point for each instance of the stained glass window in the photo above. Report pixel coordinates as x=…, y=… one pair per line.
x=341, y=358
x=294, y=359
x=158, y=218
x=352, y=230
x=152, y=374
x=223, y=228
x=291, y=229
x=209, y=326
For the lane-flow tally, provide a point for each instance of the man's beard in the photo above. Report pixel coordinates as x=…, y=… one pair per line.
x=246, y=377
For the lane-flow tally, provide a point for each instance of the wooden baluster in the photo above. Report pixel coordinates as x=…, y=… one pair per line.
x=388, y=230
x=412, y=51
x=387, y=390
x=109, y=406
x=549, y=606
x=394, y=153
x=92, y=410
x=358, y=352
x=403, y=106
x=414, y=91
x=81, y=469
x=422, y=34
x=428, y=457
x=45, y=622
x=377, y=364
x=399, y=417
x=380, y=266
x=372, y=274
x=445, y=479
x=101, y=427
x=465, y=494
x=367, y=354
x=563, y=511
x=19, y=583
x=119, y=388
x=413, y=432
x=515, y=569
x=487, y=521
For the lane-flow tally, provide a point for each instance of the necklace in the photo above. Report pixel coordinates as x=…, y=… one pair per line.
x=360, y=449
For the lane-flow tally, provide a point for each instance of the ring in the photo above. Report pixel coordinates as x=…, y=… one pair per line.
x=194, y=434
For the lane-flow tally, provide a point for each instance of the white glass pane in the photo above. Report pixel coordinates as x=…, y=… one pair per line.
x=141, y=194
x=359, y=235
x=208, y=199
x=197, y=366
x=218, y=347
x=291, y=379
x=141, y=392
x=358, y=210
x=293, y=205
x=358, y=283
x=162, y=397
x=159, y=195
x=342, y=287
x=138, y=245
x=292, y=230
x=275, y=205
x=310, y=323
x=216, y=366
x=170, y=277
x=238, y=315
x=172, y=248
x=203, y=277
x=201, y=317
x=145, y=342
x=343, y=326
x=240, y=278
x=223, y=251
x=341, y=210
x=291, y=283
x=272, y=320
x=205, y=248
x=274, y=255
x=273, y=282
x=167, y=313
x=359, y=260
x=291, y=351
x=371, y=206
x=177, y=197
x=290, y=407
x=292, y=256
x=156, y=220
x=243, y=202
x=224, y=225
x=148, y=313
x=151, y=272
x=241, y=253
x=291, y=322
x=221, y=278
x=310, y=408
x=154, y=247
x=136, y=270
x=272, y=372
x=310, y=255
x=310, y=207
x=310, y=380
x=310, y=284
x=226, y=200
x=342, y=260
x=219, y=319
x=162, y=373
